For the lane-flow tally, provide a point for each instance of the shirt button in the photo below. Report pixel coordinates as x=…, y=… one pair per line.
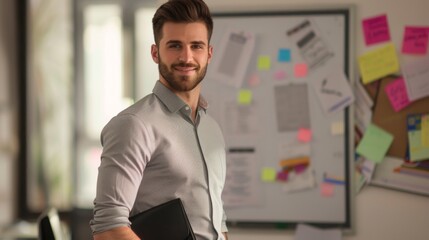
x=187, y=108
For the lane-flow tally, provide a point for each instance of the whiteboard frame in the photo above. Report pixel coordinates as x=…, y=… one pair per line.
x=349, y=11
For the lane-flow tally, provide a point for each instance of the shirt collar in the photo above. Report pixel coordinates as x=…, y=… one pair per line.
x=172, y=101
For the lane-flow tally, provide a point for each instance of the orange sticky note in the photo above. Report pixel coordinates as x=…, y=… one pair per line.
x=327, y=189
x=292, y=162
x=254, y=80
x=300, y=70
x=304, y=135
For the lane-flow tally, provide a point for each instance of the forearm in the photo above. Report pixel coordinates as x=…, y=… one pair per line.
x=225, y=234
x=119, y=233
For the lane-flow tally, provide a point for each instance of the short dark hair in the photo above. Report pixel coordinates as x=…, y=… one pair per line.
x=181, y=11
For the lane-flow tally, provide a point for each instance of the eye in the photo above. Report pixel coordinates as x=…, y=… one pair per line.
x=198, y=46
x=174, y=46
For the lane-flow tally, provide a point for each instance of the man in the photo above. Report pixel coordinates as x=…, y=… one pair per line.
x=165, y=146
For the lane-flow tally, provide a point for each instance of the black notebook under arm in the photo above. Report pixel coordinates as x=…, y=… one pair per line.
x=167, y=221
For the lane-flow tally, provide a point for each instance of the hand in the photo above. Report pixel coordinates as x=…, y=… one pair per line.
x=119, y=233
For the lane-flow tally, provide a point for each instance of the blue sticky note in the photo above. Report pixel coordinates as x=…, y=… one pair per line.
x=284, y=55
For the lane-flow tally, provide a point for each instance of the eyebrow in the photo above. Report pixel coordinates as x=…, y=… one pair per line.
x=192, y=42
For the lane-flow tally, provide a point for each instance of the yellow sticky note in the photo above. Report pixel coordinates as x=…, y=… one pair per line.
x=378, y=63
x=264, y=63
x=425, y=130
x=268, y=174
x=244, y=97
x=337, y=128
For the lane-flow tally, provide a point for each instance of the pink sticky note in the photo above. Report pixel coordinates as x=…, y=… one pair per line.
x=300, y=168
x=415, y=40
x=254, y=80
x=280, y=74
x=304, y=135
x=327, y=189
x=300, y=70
x=397, y=94
x=376, y=29
x=282, y=176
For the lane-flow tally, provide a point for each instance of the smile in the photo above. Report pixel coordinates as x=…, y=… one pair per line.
x=185, y=69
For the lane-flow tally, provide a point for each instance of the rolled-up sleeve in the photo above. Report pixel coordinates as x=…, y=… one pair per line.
x=126, y=148
x=224, y=228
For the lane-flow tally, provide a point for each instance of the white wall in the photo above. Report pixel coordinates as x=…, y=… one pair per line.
x=379, y=213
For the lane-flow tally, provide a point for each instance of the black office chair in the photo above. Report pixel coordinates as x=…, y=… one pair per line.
x=49, y=226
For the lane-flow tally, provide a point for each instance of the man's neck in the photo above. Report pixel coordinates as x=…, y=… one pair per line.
x=191, y=98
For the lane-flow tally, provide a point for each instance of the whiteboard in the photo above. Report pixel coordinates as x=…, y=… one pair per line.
x=253, y=92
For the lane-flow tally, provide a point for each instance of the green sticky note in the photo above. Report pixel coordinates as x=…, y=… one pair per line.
x=375, y=143
x=264, y=63
x=244, y=97
x=268, y=174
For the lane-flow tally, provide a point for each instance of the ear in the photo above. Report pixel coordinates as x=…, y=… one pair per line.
x=154, y=53
x=210, y=53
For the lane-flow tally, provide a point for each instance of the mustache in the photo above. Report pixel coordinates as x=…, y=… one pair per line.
x=185, y=65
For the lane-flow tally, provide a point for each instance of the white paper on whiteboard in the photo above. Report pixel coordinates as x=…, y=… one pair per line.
x=232, y=57
x=310, y=43
x=241, y=180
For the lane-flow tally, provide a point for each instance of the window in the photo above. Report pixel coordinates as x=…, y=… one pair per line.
x=82, y=68
x=115, y=42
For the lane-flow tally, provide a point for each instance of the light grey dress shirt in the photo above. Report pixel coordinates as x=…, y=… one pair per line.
x=152, y=153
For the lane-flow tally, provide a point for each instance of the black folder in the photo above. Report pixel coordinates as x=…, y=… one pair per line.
x=167, y=221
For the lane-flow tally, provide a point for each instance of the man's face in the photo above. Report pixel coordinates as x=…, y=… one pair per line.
x=182, y=55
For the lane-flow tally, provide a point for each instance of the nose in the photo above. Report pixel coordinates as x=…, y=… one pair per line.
x=185, y=55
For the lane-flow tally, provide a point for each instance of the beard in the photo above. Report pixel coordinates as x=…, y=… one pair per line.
x=182, y=83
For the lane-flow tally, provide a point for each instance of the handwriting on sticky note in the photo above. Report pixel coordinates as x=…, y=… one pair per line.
x=268, y=174
x=300, y=70
x=284, y=55
x=376, y=29
x=375, y=143
x=397, y=94
x=378, y=63
x=327, y=189
x=304, y=135
x=244, y=97
x=415, y=40
x=264, y=63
